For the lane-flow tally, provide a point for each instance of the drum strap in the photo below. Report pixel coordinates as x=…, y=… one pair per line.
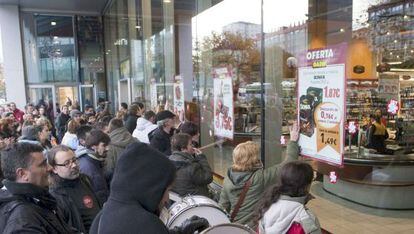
x=241, y=199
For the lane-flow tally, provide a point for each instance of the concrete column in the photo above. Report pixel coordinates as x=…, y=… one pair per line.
x=12, y=55
x=185, y=54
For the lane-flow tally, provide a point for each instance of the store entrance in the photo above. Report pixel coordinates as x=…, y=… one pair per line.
x=56, y=95
x=42, y=94
x=87, y=96
x=124, y=91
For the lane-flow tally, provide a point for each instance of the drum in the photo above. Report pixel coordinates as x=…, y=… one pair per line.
x=196, y=205
x=174, y=197
x=228, y=228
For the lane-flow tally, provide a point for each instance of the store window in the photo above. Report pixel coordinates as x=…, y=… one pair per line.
x=49, y=48
x=91, y=56
x=247, y=60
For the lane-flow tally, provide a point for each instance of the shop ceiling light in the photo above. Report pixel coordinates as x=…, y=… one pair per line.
x=53, y=23
x=342, y=30
x=137, y=27
x=167, y=1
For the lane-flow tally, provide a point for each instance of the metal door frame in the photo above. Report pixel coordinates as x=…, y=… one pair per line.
x=46, y=86
x=95, y=103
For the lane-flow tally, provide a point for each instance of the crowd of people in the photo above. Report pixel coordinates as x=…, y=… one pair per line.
x=97, y=172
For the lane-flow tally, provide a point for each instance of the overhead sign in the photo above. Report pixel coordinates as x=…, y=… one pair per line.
x=321, y=103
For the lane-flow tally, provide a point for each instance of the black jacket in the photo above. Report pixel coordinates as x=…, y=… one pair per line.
x=141, y=177
x=93, y=166
x=26, y=208
x=193, y=174
x=61, y=125
x=77, y=201
x=161, y=140
x=130, y=122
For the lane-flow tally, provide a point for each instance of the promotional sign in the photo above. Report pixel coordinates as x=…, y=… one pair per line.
x=223, y=103
x=179, y=97
x=388, y=86
x=321, y=103
x=153, y=93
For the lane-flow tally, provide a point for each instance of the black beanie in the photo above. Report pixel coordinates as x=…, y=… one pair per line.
x=142, y=175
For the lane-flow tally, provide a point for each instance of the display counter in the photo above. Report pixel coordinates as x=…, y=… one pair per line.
x=375, y=180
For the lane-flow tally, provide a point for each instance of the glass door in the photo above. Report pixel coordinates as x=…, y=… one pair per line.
x=124, y=91
x=67, y=95
x=87, y=96
x=43, y=94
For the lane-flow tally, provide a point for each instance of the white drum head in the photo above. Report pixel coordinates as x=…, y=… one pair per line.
x=228, y=228
x=213, y=215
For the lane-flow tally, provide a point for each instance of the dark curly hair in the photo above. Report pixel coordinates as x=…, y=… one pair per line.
x=294, y=180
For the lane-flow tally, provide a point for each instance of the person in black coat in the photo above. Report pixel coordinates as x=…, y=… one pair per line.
x=72, y=190
x=139, y=189
x=193, y=171
x=130, y=120
x=61, y=122
x=26, y=206
x=160, y=138
x=92, y=161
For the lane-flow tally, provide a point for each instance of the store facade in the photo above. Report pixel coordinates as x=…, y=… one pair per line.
x=63, y=58
x=255, y=49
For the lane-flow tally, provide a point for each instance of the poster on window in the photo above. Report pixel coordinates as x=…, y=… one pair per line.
x=179, y=97
x=321, y=103
x=223, y=103
x=153, y=93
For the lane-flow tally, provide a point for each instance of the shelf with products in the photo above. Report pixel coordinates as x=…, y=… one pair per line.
x=289, y=101
x=362, y=99
x=406, y=99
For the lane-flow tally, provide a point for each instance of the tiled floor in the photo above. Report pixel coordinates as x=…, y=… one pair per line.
x=338, y=216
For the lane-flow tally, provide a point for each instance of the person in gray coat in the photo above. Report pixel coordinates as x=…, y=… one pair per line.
x=120, y=139
x=193, y=172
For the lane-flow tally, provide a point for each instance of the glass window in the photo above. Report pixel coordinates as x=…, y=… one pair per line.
x=91, y=55
x=229, y=42
x=49, y=48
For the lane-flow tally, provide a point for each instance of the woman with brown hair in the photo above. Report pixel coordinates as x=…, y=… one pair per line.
x=246, y=180
x=283, y=208
x=70, y=139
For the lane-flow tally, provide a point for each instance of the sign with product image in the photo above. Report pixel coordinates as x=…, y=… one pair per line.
x=321, y=103
x=179, y=97
x=223, y=103
x=153, y=93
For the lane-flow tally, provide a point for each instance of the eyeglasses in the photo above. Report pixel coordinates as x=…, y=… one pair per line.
x=69, y=162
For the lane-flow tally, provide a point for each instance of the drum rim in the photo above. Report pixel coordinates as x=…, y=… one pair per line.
x=174, y=217
x=244, y=227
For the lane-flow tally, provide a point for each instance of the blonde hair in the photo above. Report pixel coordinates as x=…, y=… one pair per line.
x=246, y=157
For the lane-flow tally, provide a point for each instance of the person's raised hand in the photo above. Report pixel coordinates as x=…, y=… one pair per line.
x=294, y=131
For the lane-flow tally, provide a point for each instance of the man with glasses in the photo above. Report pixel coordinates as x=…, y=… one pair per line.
x=71, y=189
x=26, y=206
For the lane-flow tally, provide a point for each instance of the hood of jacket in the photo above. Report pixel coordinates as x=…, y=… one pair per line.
x=143, y=123
x=82, y=151
x=121, y=137
x=14, y=191
x=21, y=140
x=281, y=215
x=238, y=178
x=181, y=156
x=142, y=175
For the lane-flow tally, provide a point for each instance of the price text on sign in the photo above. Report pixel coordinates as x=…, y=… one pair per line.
x=331, y=92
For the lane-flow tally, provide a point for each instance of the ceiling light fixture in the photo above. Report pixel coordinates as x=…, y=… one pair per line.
x=53, y=23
